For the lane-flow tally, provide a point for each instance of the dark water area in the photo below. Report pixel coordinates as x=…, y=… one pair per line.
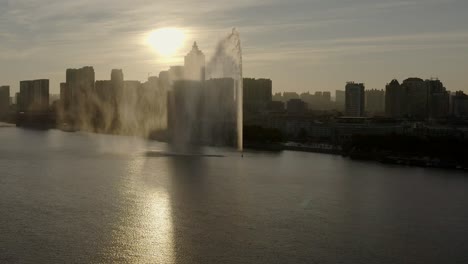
x=86, y=198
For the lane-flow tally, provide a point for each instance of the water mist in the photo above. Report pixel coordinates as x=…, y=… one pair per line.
x=227, y=63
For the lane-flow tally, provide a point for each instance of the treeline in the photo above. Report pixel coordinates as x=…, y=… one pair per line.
x=258, y=134
x=447, y=148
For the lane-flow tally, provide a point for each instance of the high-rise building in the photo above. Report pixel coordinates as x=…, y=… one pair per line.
x=317, y=101
x=375, y=102
x=459, y=104
x=4, y=101
x=76, y=94
x=34, y=97
x=417, y=95
x=290, y=95
x=164, y=81
x=65, y=96
x=109, y=95
x=355, y=99
x=395, y=100
x=326, y=97
x=202, y=112
x=194, y=65
x=104, y=90
x=438, y=99
x=340, y=96
x=176, y=73
x=276, y=106
x=117, y=80
x=296, y=106
x=257, y=95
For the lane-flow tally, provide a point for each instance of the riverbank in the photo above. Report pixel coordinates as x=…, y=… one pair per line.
x=383, y=157
x=357, y=152
x=2, y=124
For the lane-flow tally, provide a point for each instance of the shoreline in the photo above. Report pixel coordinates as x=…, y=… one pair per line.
x=322, y=148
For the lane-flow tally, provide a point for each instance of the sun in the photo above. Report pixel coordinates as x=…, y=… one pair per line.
x=166, y=41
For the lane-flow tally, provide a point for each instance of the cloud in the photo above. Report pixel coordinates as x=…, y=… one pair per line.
x=50, y=35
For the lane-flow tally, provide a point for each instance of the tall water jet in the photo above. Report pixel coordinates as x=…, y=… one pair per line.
x=227, y=63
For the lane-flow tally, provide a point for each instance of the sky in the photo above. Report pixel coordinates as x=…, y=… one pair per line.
x=302, y=45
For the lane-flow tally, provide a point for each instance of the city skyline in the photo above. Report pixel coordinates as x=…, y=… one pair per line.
x=311, y=46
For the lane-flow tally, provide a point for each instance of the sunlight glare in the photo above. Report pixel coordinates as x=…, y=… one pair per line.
x=166, y=41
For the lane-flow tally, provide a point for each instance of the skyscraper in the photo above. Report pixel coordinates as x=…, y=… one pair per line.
x=417, y=95
x=34, y=97
x=438, y=99
x=176, y=73
x=202, y=111
x=76, y=94
x=395, y=100
x=257, y=95
x=296, y=106
x=194, y=65
x=117, y=79
x=326, y=97
x=460, y=104
x=355, y=99
x=4, y=101
x=340, y=96
x=375, y=102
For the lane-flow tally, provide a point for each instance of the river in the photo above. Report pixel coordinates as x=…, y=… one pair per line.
x=88, y=198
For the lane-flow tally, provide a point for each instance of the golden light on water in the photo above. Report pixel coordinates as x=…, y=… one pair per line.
x=166, y=41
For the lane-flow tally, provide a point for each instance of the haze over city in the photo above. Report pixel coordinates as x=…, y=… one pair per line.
x=302, y=45
x=245, y=131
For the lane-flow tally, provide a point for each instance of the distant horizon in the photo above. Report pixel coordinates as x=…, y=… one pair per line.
x=57, y=91
x=311, y=46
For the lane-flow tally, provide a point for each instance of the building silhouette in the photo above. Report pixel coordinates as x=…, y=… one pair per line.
x=438, y=99
x=277, y=106
x=257, y=96
x=417, y=95
x=340, y=98
x=375, y=102
x=194, y=64
x=317, y=101
x=33, y=97
x=290, y=95
x=76, y=94
x=176, y=73
x=202, y=112
x=459, y=104
x=326, y=97
x=4, y=101
x=395, y=100
x=417, y=99
x=296, y=106
x=355, y=99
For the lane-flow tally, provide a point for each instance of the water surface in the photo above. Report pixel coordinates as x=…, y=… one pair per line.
x=86, y=198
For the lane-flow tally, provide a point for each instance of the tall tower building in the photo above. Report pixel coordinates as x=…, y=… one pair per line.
x=395, y=100
x=4, y=100
x=117, y=76
x=438, y=99
x=257, y=95
x=34, y=96
x=460, y=104
x=355, y=99
x=417, y=96
x=76, y=92
x=375, y=102
x=195, y=64
x=340, y=96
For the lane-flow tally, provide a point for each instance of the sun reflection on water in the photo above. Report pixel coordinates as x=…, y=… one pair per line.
x=145, y=230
